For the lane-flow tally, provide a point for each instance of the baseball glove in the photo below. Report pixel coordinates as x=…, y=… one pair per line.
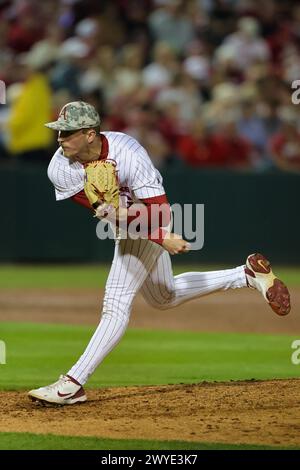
x=101, y=185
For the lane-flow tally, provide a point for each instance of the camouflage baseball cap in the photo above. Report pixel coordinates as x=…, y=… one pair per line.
x=75, y=115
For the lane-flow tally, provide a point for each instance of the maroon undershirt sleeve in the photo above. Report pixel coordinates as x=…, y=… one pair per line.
x=80, y=198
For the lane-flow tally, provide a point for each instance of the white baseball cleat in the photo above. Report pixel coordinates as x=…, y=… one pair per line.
x=260, y=276
x=66, y=391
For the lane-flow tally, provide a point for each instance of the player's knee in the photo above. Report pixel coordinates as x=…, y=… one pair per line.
x=164, y=306
x=118, y=316
x=116, y=307
x=161, y=303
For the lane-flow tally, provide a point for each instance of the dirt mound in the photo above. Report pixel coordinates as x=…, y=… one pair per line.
x=252, y=412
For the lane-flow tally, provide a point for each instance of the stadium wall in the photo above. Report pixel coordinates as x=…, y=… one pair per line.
x=244, y=212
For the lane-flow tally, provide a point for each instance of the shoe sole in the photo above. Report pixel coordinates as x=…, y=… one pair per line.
x=277, y=294
x=43, y=402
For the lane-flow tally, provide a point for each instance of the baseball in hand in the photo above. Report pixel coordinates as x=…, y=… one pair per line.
x=175, y=244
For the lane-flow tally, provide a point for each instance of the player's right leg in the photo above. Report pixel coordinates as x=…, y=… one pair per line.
x=163, y=290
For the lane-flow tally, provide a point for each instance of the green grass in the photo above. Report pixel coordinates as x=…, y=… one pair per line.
x=61, y=277
x=27, y=441
x=38, y=353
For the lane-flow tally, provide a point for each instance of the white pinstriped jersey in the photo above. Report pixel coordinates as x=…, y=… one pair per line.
x=139, y=264
x=138, y=177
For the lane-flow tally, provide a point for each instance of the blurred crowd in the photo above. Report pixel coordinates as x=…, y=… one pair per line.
x=204, y=83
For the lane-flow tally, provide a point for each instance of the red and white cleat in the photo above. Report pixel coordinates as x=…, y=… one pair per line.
x=260, y=276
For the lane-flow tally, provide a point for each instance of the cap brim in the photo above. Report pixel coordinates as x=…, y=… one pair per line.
x=60, y=126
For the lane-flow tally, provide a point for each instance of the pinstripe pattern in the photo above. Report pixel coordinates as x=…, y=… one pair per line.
x=162, y=290
x=66, y=176
x=131, y=264
x=136, y=172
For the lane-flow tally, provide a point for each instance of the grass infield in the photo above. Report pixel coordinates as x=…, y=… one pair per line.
x=93, y=276
x=27, y=441
x=37, y=353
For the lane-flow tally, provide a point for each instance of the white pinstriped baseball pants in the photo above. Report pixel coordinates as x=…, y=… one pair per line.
x=141, y=265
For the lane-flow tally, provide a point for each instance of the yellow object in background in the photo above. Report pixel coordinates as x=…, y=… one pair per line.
x=30, y=110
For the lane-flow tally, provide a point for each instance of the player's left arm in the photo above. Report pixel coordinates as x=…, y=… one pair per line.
x=154, y=217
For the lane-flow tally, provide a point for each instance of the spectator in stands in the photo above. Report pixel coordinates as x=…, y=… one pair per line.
x=245, y=46
x=142, y=126
x=25, y=28
x=197, y=64
x=227, y=147
x=285, y=144
x=270, y=118
x=129, y=72
x=194, y=146
x=221, y=147
x=251, y=126
x=184, y=92
x=170, y=124
x=28, y=138
x=171, y=23
x=160, y=73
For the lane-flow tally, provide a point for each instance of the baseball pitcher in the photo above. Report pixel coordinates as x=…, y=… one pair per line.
x=111, y=174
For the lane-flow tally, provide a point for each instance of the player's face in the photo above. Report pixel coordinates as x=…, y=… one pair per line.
x=74, y=144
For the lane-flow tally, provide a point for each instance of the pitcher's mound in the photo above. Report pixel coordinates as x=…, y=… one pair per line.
x=250, y=412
